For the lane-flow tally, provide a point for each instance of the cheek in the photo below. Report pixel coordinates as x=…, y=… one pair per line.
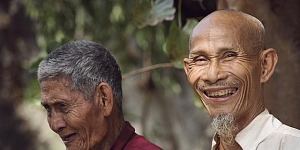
x=74, y=118
x=95, y=128
x=194, y=75
x=78, y=120
x=249, y=77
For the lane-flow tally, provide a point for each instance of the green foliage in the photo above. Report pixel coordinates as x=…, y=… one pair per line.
x=140, y=11
x=32, y=92
x=115, y=24
x=162, y=10
x=135, y=31
x=176, y=45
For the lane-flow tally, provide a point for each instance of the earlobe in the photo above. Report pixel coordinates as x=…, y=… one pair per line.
x=105, y=98
x=268, y=63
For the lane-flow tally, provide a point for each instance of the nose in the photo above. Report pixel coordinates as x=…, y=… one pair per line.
x=214, y=73
x=56, y=122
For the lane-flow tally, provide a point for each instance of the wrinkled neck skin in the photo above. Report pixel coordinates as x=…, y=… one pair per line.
x=115, y=125
x=241, y=123
x=233, y=146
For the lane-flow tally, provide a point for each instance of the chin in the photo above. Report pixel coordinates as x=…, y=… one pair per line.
x=215, y=113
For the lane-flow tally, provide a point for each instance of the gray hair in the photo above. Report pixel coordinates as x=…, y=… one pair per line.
x=86, y=64
x=224, y=124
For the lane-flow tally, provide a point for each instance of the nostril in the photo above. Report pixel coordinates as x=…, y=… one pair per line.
x=57, y=123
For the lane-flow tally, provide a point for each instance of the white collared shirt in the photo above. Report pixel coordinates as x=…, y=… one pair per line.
x=265, y=132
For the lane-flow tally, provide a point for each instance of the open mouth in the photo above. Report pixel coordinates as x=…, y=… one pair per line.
x=68, y=138
x=220, y=93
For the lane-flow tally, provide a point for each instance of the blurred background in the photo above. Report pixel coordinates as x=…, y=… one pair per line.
x=149, y=38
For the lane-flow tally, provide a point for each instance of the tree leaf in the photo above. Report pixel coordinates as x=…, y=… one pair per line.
x=176, y=45
x=162, y=10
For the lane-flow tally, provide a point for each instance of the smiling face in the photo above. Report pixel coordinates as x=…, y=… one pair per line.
x=80, y=123
x=224, y=68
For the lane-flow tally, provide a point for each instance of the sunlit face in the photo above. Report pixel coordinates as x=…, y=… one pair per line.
x=223, y=71
x=79, y=123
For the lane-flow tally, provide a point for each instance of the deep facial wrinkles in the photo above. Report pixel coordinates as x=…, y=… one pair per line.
x=248, y=83
x=75, y=108
x=245, y=58
x=76, y=105
x=243, y=94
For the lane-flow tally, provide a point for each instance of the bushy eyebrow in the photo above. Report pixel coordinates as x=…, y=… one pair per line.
x=53, y=103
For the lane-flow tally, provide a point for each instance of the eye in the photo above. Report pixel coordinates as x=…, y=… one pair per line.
x=201, y=60
x=229, y=55
x=48, y=109
x=62, y=107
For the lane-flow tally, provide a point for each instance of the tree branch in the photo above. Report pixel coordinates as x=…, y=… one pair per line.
x=145, y=69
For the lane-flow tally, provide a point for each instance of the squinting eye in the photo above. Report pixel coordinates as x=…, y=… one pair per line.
x=230, y=55
x=62, y=107
x=200, y=61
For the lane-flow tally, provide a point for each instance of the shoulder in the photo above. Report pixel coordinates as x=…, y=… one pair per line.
x=289, y=131
x=138, y=142
x=284, y=137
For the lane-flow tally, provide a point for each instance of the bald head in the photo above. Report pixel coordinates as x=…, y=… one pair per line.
x=248, y=30
x=227, y=66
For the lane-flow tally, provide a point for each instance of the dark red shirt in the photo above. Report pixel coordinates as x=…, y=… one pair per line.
x=129, y=140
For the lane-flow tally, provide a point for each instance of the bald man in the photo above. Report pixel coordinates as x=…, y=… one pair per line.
x=228, y=67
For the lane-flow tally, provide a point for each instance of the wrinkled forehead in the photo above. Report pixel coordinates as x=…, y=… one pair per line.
x=51, y=83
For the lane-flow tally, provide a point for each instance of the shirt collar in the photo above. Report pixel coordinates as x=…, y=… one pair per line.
x=258, y=129
x=254, y=133
x=125, y=135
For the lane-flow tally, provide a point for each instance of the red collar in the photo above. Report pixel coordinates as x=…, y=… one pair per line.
x=125, y=135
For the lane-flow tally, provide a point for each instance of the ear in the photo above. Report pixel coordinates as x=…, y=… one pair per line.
x=268, y=63
x=104, y=98
x=186, y=65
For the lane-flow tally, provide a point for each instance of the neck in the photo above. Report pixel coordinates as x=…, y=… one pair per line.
x=115, y=125
x=232, y=146
x=241, y=124
x=245, y=120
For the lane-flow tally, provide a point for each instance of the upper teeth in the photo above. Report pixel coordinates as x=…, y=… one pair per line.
x=220, y=93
